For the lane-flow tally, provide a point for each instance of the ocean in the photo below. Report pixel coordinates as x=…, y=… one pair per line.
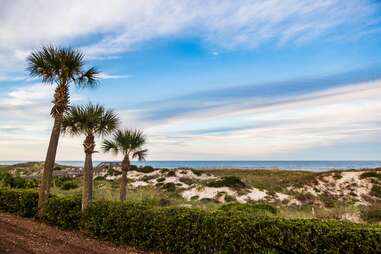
x=287, y=165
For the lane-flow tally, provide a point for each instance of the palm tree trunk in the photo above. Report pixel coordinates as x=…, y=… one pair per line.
x=87, y=191
x=44, y=188
x=61, y=102
x=123, y=182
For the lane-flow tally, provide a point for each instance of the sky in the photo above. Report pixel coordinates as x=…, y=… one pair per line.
x=204, y=79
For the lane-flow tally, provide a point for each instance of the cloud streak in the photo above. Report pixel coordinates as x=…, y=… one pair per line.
x=255, y=96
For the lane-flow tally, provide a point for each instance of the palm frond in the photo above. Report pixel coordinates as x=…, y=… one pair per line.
x=110, y=146
x=88, y=78
x=61, y=65
x=130, y=143
x=89, y=120
x=140, y=155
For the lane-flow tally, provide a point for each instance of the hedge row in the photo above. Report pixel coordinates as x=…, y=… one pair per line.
x=21, y=202
x=183, y=230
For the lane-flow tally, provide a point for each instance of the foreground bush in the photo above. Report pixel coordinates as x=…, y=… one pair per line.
x=64, y=212
x=21, y=202
x=184, y=230
x=18, y=182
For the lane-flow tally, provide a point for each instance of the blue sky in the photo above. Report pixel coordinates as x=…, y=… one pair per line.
x=206, y=80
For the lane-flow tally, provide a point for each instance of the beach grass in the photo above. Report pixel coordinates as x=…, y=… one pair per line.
x=269, y=179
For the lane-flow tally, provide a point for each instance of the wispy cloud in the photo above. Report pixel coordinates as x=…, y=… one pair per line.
x=119, y=25
x=104, y=75
x=261, y=122
x=256, y=95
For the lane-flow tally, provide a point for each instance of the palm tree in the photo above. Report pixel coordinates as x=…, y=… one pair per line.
x=89, y=120
x=130, y=143
x=61, y=67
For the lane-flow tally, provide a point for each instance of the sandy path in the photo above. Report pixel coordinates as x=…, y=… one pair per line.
x=21, y=235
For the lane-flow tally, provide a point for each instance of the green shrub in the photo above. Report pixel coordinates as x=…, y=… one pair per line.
x=147, y=178
x=376, y=190
x=187, y=180
x=161, y=179
x=100, y=178
x=373, y=174
x=18, y=182
x=183, y=230
x=260, y=209
x=197, y=172
x=227, y=181
x=145, y=169
x=328, y=200
x=305, y=198
x=230, y=198
x=59, y=180
x=171, y=173
x=64, y=212
x=113, y=172
x=21, y=202
x=170, y=187
x=372, y=214
x=133, y=167
x=68, y=185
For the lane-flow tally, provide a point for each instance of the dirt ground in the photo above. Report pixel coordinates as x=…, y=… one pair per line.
x=20, y=235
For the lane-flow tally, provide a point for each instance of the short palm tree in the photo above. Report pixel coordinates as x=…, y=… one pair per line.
x=61, y=67
x=129, y=143
x=91, y=121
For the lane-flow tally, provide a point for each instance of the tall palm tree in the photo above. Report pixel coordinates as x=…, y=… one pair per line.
x=89, y=120
x=61, y=67
x=130, y=143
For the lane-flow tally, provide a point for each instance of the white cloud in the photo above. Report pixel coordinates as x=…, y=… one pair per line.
x=25, y=122
x=242, y=131
x=120, y=25
x=104, y=75
x=248, y=131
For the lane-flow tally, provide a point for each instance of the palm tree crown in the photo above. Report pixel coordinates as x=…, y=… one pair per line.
x=89, y=120
x=61, y=66
x=131, y=144
x=128, y=142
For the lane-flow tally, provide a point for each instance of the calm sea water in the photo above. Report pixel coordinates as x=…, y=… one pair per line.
x=289, y=165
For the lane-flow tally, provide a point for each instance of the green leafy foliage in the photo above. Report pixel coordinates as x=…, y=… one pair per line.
x=65, y=183
x=372, y=214
x=161, y=179
x=372, y=174
x=18, y=182
x=259, y=209
x=182, y=230
x=100, y=178
x=376, y=190
x=185, y=230
x=64, y=212
x=171, y=173
x=146, y=169
x=68, y=185
x=170, y=187
x=227, y=181
x=21, y=202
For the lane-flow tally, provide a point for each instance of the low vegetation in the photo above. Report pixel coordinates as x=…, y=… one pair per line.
x=318, y=197
x=227, y=181
x=185, y=230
